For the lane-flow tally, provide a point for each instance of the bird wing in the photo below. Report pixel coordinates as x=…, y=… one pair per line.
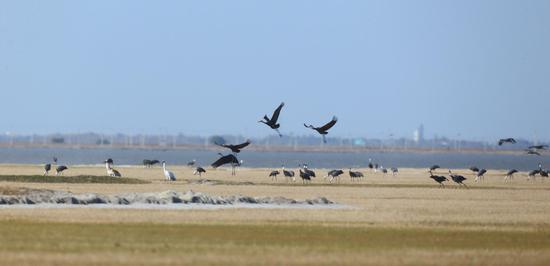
x=225, y=160
x=221, y=145
x=242, y=145
x=330, y=124
x=276, y=113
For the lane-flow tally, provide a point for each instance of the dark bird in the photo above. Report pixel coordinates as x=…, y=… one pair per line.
x=394, y=171
x=334, y=174
x=543, y=173
x=434, y=167
x=355, y=174
x=538, y=147
x=199, y=171
x=272, y=123
x=55, y=160
x=311, y=173
x=235, y=148
x=289, y=174
x=458, y=179
x=480, y=175
x=508, y=140
x=532, y=152
x=384, y=170
x=191, y=163
x=227, y=159
x=439, y=179
x=533, y=174
x=510, y=175
x=306, y=178
x=274, y=175
x=371, y=166
x=324, y=129
x=47, y=168
x=474, y=169
x=150, y=163
x=60, y=169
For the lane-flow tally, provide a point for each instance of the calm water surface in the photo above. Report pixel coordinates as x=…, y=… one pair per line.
x=275, y=159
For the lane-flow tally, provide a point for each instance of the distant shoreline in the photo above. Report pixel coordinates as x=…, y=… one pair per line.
x=274, y=148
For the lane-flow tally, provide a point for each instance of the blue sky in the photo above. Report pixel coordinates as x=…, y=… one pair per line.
x=480, y=69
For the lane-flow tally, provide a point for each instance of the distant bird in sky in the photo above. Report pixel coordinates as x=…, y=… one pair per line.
x=538, y=147
x=510, y=175
x=324, y=129
x=227, y=159
x=507, y=140
x=199, y=171
x=272, y=122
x=59, y=170
x=170, y=176
x=235, y=148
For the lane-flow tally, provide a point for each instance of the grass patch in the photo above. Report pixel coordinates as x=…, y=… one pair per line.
x=81, y=179
x=147, y=244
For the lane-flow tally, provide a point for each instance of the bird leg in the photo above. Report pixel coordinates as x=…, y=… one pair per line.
x=324, y=139
x=280, y=135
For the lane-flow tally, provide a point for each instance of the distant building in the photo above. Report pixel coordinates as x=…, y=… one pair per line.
x=418, y=134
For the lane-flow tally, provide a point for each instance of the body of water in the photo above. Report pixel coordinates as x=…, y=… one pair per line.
x=70, y=156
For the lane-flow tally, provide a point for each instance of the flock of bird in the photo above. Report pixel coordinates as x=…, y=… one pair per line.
x=230, y=159
x=304, y=172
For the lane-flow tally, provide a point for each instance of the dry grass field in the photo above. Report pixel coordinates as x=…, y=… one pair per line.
x=401, y=220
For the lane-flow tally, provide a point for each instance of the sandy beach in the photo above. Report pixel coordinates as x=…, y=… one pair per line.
x=492, y=222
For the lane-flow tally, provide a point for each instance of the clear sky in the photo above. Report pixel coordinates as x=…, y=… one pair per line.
x=476, y=68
